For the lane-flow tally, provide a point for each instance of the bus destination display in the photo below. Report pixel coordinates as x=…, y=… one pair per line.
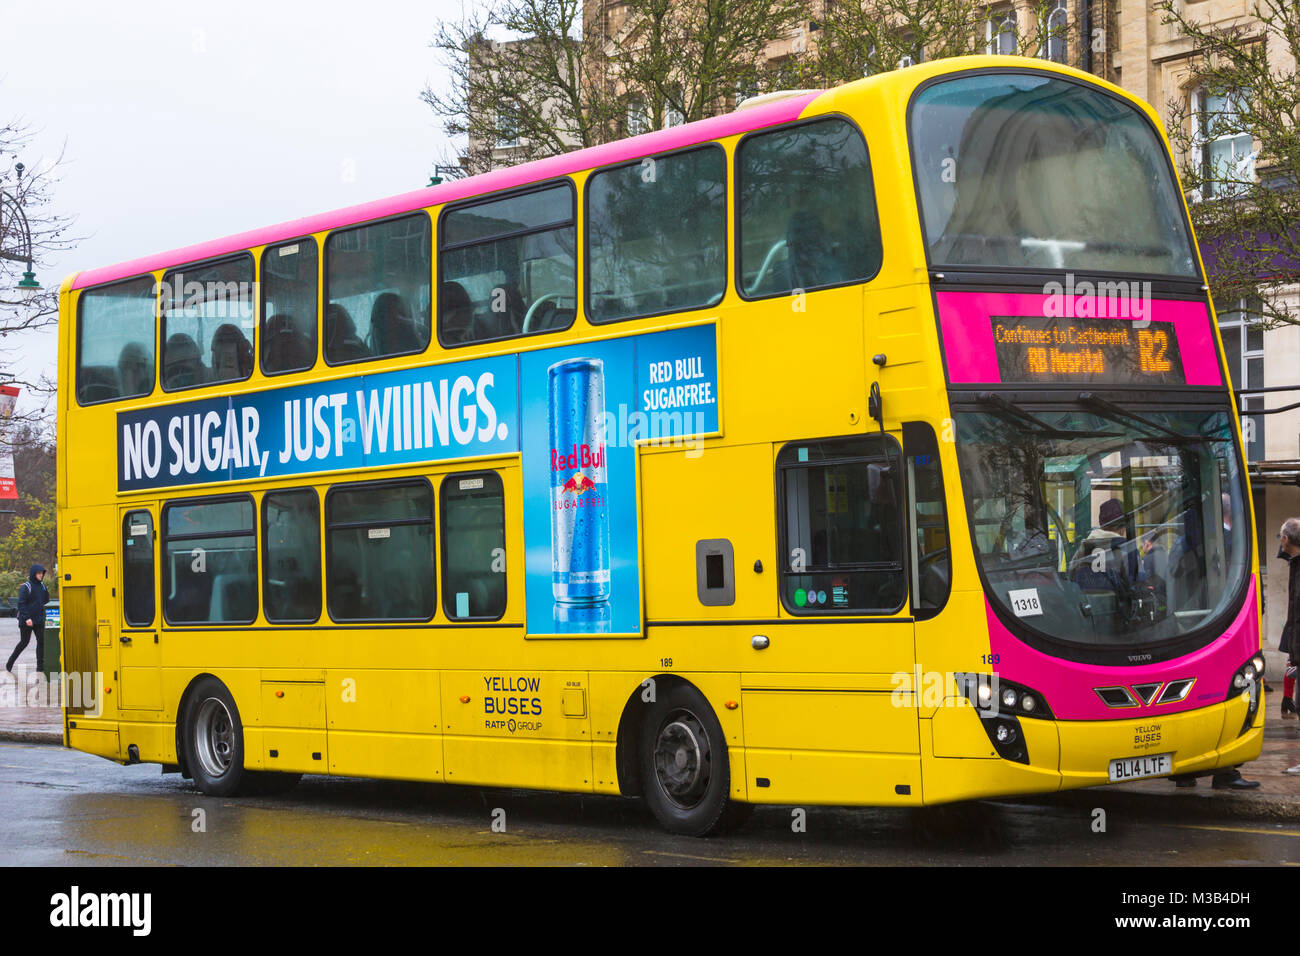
x=1056, y=349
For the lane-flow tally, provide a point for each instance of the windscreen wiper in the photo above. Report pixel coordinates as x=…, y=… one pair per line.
x=1010, y=411
x=1116, y=413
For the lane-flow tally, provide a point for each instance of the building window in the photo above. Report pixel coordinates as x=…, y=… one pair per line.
x=209, y=561
x=915, y=51
x=1000, y=32
x=507, y=129
x=657, y=235
x=1242, y=329
x=1055, y=45
x=207, y=322
x=1226, y=157
x=841, y=526
x=473, y=547
x=379, y=551
x=807, y=209
x=638, y=119
x=291, y=556
x=115, y=332
x=508, y=267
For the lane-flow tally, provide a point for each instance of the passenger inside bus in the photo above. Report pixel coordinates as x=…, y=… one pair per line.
x=134, y=370
x=455, y=312
x=284, y=347
x=341, y=341
x=232, y=354
x=392, y=329
x=182, y=366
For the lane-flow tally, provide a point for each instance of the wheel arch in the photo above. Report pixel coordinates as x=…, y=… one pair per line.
x=627, y=743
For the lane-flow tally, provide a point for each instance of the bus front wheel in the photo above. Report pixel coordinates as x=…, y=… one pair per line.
x=213, y=737
x=686, y=777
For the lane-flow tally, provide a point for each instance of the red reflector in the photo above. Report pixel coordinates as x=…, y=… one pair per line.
x=464, y=698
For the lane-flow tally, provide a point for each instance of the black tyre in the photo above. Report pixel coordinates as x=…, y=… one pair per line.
x=685, y=773
x=212, y=736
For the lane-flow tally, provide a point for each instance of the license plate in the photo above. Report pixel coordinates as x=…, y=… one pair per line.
x=1138, y=768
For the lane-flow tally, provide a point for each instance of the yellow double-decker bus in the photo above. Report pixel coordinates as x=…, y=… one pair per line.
x=869, y=446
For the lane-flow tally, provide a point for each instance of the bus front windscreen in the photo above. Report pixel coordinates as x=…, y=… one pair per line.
x=1107, y=529
x=1025, y=171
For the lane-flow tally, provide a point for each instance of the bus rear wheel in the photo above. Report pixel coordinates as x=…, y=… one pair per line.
x=213, y=737
x=685, y=772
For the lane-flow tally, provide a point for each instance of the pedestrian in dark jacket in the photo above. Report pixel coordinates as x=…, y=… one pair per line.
x=32, y=598
x=1289, y=550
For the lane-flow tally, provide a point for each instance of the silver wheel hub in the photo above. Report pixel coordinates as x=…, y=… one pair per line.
x=683, y=759
x=214, y=737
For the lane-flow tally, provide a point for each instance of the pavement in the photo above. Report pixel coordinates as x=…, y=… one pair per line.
x=27, y=717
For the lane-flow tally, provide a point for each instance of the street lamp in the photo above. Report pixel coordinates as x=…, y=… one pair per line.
x=24, y=251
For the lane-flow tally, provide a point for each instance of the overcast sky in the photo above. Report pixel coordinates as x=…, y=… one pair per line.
x=182, y=122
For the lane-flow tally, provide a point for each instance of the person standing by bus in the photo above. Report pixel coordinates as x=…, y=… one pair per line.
x=1288, y=549
x=32, y=598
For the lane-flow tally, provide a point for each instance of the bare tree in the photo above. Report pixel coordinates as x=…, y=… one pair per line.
x=518, y=75
x=537, y=78
x=693, y=60
x=30, y=229
x=1240, y=146
x=862, y=37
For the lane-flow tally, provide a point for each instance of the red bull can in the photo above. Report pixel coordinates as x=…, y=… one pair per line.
x=579, y=490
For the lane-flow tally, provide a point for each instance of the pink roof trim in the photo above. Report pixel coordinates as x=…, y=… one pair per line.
x=662, y=141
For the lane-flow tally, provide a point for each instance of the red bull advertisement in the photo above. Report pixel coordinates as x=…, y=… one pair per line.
x=585, y=410
x=579, y=486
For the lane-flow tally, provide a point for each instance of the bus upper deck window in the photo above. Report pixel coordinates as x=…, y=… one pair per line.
x=807, y=209
x=115, y=354
x=289, y=306
x=207, y=316
x=378, y=290
x=657, y=235
x=508, y=267
x=1024, y=171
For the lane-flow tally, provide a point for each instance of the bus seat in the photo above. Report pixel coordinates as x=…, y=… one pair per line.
x=283, y=346
x=97, y=383
x=232, y=597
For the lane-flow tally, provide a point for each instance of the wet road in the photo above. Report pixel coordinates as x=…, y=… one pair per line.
x=67, y=808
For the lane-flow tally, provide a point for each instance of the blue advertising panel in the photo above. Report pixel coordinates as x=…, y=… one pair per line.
x=585, y=408
x=575, y=413
x=460, y=410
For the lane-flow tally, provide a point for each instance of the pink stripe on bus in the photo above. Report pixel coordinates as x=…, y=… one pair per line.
x=661, y=141
x=968, y=333
x=1068, y=686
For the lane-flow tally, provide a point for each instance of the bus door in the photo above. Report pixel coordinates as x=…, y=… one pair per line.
x=139, y=679
x=819, y=700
